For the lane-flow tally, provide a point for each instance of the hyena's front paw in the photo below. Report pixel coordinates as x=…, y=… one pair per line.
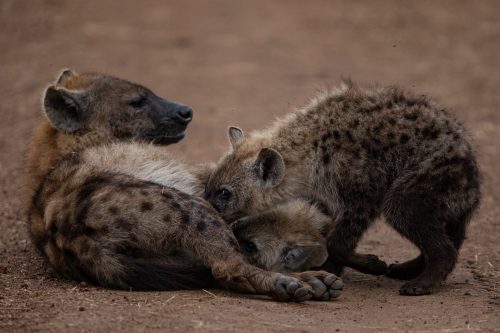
x=326, y=286
x=287, y=288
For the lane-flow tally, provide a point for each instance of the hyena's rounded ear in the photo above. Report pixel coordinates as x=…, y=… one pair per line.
x=269, y=167
x=305, y=257
x=65, y=74
x=235, y=135
x=64, y=108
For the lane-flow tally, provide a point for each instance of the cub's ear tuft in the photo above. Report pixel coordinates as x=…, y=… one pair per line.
x=269, y=167
x=65, y=73
x=235, y=136
x=64, y=108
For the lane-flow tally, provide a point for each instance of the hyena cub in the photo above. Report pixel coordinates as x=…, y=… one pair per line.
x=286, y=238
x=109, y=207
x=362, y=152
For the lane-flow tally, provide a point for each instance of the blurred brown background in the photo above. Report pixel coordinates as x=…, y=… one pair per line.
x=244, y=63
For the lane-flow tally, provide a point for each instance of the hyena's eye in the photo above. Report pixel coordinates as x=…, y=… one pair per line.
x=249, y=246
x=138, y=102
x=224, y=194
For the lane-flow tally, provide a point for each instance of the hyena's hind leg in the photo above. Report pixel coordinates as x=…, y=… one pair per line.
x=426, y=208
x=419, y=224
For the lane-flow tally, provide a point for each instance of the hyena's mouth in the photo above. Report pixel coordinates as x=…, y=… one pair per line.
x=164, y=135
x=167, y=139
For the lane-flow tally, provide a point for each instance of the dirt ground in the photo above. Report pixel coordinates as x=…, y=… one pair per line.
x=244, y=63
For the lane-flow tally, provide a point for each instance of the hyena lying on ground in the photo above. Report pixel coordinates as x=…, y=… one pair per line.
x=359, y=153
x=287, y=238
x=109, y=207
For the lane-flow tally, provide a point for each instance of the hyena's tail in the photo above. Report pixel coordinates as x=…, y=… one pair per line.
x=142, y=274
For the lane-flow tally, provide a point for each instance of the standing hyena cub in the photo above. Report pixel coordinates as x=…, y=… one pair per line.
x=109, y=207
x=360, y=153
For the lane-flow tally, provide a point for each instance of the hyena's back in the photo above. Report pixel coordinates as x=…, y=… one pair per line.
x=113, y=229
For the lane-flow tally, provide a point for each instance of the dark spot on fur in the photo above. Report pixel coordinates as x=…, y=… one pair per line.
x=124, y=224
x=167, y=219
x=404, y=138
x=390, y=135
x=216, y=223
x=185, y=218
x=315, y=144
x=349, y=136
x=146, y=206
x=336, y=134
x=89, y=231
x=200, y=226
x=430, y=132
x=326, y=159
x=392, y=121
x=411, y=116
x=354, y=124
x=113, y=210
x=53, y=227
x=176, y=205
x=379, y=127
x=144, y=193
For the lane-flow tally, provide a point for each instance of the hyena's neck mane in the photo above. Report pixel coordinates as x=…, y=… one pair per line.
x=48, y=146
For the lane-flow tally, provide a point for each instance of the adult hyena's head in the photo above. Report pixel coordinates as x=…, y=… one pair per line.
x=286, y=238
x=112, y=109
x=245, y=179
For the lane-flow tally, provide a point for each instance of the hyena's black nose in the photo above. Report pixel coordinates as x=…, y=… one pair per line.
x=184, y=114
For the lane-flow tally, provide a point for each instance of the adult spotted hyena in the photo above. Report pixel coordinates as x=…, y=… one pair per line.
x=108, y=206
x=362, y=152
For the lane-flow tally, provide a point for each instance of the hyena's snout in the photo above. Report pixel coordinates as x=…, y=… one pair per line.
x=171, y=120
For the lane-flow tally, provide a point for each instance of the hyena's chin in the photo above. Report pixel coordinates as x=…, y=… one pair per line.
x=161, y=136
x=166, y=140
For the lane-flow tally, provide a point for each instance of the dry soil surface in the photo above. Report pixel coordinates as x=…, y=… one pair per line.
x=245, y=63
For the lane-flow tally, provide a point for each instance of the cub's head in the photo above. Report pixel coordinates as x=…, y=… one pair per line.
x=112, y=109
x=244, y=179
x=284, y=239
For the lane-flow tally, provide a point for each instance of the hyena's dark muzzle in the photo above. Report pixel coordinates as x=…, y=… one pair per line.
x=170, y=119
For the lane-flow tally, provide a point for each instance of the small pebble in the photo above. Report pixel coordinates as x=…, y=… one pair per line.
x=81, y=308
